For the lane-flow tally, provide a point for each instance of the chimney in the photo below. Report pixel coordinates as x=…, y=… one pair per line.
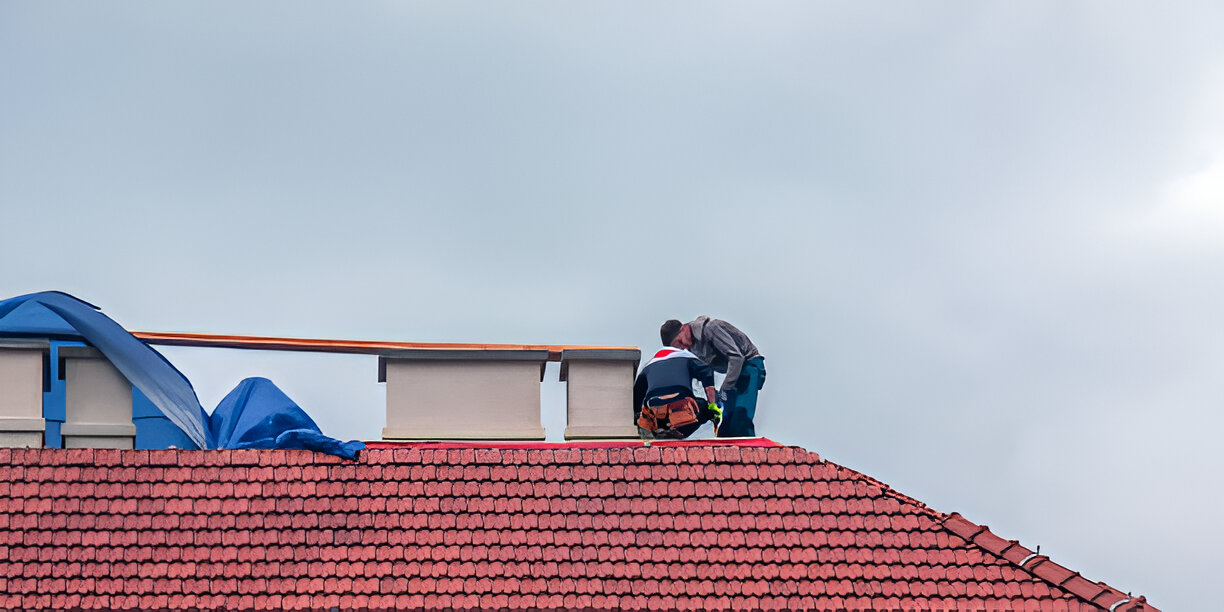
x=463, y=394
x=98, y=401
x=599, y=392
x=22, y=373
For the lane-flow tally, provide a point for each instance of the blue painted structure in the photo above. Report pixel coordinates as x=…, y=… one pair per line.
x=55, y=410
x=153, y=429
x=165, y=410
x=64, y=320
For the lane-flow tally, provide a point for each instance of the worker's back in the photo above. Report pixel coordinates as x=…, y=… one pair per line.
x=663, y=400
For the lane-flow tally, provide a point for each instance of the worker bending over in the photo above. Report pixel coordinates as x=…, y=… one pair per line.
x=664, y=405
x=724, y=348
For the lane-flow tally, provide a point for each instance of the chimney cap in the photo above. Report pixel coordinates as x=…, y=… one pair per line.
x=568, y=355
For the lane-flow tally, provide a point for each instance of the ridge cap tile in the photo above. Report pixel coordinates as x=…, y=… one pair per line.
x=1041, y=566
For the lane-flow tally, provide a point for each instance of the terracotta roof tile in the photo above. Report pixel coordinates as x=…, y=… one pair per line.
x=688, y=526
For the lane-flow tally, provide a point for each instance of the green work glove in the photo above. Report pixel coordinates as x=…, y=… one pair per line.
x=717, y=415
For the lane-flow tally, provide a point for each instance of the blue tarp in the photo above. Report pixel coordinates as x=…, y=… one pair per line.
x=257, y=414
x=52, y=314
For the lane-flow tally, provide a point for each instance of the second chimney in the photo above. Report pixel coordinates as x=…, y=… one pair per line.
x=463, y=394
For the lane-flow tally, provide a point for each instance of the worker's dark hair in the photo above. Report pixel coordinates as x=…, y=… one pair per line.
x=669, y=331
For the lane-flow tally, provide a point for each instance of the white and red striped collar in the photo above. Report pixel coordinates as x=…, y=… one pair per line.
x=670, y=352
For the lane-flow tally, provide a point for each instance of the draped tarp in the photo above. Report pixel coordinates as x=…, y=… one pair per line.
x=257, y=414
x=52, y=314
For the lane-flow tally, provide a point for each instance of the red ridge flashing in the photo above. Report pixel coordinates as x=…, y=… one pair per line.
x=724, y=442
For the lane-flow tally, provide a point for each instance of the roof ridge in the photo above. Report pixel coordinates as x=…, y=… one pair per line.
x=887, y=489
x=1039, y=566
x=1042, y=567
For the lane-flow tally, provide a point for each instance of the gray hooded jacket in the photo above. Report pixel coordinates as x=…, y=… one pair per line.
x=722, y=346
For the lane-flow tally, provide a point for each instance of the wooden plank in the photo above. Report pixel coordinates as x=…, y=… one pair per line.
x=362, y=347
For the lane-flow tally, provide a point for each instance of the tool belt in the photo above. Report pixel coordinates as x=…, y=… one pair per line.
x=665, y=415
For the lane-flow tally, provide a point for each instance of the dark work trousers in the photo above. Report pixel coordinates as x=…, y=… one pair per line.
x=741, y=401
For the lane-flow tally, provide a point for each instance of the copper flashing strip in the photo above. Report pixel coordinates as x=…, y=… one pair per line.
x=362, y=347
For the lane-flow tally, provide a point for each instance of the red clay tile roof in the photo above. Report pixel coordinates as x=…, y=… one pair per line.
x=683, y=526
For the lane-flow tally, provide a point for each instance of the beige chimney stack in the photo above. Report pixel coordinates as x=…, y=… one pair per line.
x=463, y=394
x=599, y=392
x=21, y=393
x=98, y=401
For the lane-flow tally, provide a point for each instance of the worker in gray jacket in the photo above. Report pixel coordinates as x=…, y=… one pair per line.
x=725, y=348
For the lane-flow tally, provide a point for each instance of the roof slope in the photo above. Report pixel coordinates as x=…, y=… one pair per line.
x=685, y=526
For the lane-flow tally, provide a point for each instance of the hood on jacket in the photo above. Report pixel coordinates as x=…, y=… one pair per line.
x=697, y=326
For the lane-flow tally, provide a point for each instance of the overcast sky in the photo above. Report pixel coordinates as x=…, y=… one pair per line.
x=979, y=244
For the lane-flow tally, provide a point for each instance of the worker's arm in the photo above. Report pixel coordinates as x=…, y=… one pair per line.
x=722, y=342
x=734, y=365
x=705, y=374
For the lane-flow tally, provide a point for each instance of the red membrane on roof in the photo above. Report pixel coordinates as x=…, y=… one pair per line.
x=740, y=442
x=688, y=526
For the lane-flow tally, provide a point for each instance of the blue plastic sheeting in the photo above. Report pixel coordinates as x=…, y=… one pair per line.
x=56, y=315
x=257, y=414
x=153, y=429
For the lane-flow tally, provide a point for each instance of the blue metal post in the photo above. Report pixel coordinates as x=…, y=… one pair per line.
x=55, y=410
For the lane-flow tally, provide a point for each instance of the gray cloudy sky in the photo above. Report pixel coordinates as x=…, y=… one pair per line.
x=979, y=243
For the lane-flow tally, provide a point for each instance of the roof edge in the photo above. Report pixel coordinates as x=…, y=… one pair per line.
x=886, y=489
x=1041, y=566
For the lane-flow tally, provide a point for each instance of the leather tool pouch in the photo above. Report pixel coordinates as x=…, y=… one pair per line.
x=683, y=412
x=673, y=414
